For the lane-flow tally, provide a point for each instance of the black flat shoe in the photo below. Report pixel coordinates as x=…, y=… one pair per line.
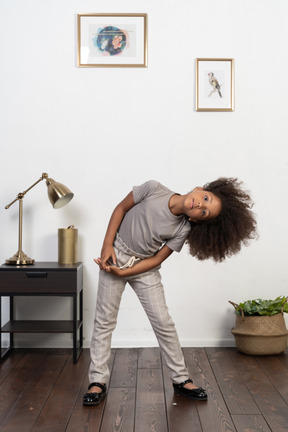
x=198, y=394
x=92, y=399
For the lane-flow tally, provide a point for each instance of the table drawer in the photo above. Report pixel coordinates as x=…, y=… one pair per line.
x=38, y=282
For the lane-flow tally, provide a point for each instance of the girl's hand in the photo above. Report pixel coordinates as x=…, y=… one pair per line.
x=116, y=271
x=107, y=253
x=110, y=269
x=98, y=262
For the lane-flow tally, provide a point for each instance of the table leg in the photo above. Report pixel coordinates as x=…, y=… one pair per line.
x=5, y=351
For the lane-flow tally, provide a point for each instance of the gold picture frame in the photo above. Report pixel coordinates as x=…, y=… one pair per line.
x=214, y=84
x=112, y=40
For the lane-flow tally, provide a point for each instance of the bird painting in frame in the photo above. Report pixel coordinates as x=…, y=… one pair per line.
x=215, y=84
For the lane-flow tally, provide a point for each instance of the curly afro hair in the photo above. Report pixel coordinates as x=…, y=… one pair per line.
x=223, y=236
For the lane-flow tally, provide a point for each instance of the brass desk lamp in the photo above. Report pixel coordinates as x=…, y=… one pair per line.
x=59, y=195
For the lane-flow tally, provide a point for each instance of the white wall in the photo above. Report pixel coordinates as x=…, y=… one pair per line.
x=101, y=130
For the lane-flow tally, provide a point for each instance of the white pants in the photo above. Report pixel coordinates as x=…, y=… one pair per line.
x=150, y=292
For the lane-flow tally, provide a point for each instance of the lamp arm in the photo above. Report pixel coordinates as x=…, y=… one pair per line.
x=22, y=194
x=58, y=194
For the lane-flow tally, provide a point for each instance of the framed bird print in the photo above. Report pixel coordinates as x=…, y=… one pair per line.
x=112, y=40
x=214, y=84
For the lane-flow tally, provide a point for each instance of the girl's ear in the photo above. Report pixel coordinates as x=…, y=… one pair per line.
x=198, y=188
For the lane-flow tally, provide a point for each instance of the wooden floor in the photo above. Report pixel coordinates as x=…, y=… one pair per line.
x=42, y=390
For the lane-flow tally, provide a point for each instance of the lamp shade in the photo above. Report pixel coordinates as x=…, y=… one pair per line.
x=58, y=194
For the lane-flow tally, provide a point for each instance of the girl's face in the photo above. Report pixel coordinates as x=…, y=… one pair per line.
x=202, y=205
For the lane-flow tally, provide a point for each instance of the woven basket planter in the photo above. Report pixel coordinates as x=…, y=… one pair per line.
x=260, y=335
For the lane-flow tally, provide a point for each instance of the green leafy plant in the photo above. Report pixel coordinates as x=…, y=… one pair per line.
x=261, y=307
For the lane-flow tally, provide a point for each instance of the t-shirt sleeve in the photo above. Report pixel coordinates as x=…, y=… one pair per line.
x=176, y=243
x=144, y=190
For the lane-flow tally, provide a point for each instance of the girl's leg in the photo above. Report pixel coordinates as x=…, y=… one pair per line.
x=110, y=289
x=150, y=292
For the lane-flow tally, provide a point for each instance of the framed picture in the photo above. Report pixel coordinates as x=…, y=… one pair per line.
x=214, y=84
x=112, y=40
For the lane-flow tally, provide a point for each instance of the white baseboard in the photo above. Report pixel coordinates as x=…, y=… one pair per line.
x=44, y=342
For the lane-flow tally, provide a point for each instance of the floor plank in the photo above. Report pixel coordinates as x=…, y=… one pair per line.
x=149, y=358
x=88, y=419
x=250, y=423
x=182, y=414
x=28, y=407
x=235, y=393
x=125, y=368
x=277, y=374
x=271, y=404
x=58, y=407
x=10, y=362
x=213, y=414
x=18, y=380
x=150, y=415
x=42, y=390
x=119, y=410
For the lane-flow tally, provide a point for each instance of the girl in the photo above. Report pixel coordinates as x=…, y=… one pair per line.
x=144, y=230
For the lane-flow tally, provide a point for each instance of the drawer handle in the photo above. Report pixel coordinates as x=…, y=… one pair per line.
x=36, y=274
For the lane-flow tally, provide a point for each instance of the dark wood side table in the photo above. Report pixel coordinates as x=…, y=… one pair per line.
x=43, y=279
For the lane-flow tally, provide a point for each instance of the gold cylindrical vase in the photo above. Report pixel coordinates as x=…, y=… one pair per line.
x=67, y=245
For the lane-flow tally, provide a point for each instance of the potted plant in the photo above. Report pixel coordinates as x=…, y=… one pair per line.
x=260, y=327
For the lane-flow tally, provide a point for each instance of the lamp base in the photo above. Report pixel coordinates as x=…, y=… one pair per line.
x=20, y=259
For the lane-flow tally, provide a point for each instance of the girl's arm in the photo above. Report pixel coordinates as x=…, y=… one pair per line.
x=144, y=265
x=116, y=218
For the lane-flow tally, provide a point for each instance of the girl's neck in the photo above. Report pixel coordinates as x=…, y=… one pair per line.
x=176, y=204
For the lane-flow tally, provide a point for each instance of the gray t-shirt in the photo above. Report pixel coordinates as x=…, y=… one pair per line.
x=149, y=224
